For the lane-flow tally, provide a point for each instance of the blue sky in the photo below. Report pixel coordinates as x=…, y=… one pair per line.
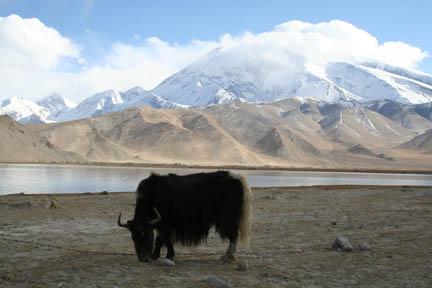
x=182, y=21
x=95, y=26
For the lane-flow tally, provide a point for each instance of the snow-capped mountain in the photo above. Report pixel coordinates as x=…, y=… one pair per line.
x=113, y=101
x=44, y=110
x=55, y=108
x=24, y=111
x=96, y=104
x=224, y=75
x=221, y=76
x=55, y=104
x=137, y=96
x=376, y=82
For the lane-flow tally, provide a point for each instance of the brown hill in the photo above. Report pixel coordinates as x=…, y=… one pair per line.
x=19, y=143
x=361, y=126
x=421, y=142
x=284, y=133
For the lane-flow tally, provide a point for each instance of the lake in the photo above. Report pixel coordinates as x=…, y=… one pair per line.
x=35, y=178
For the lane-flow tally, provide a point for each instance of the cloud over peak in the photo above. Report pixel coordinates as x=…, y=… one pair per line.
x=46, y=61
x=331, y=41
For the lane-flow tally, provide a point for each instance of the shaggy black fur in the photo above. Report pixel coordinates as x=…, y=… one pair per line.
x=189, y=206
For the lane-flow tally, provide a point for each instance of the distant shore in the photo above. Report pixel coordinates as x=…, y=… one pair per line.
x=233, y=167
x=286, y=188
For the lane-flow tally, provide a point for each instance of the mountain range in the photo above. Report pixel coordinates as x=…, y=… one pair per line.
x=294, y=132
x=222, y=76
x=227, y=109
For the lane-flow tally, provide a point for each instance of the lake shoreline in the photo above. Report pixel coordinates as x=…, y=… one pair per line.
x=316, y=188
x=230, y=167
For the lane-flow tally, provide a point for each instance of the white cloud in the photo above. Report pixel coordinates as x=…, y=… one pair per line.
x=36, y=60
x=30, y=53
x=328, y=42
x=28, y=42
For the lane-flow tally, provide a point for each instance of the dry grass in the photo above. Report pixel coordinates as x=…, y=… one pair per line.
x=292, y=233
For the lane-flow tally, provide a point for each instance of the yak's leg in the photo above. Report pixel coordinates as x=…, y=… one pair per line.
x=231, y=253
x=170, y=253
x=157, y=248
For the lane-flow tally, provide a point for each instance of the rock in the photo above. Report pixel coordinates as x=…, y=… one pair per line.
x=215, y=282
x=242, y=265
x=165, y=262
x=342, y=243
x=333, y=223
x=364, y=247
x=53, y=204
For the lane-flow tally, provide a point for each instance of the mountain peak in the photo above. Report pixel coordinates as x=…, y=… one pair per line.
x=259, y=77
x=56, y=103
x=19, y=108
x=136, y=89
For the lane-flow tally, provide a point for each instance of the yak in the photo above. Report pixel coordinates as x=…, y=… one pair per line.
x=183, y=208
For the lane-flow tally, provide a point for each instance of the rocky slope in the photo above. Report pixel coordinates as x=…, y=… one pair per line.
x=422, y=143
x=19, y=143
x=291, y=132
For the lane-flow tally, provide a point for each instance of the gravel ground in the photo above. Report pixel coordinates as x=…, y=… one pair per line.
x=293, y=231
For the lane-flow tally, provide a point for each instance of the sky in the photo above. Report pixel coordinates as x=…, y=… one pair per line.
x=81, y=47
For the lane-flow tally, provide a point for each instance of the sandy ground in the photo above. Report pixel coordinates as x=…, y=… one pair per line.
x=292, y=235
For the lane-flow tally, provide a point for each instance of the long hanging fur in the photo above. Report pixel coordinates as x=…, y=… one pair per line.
x=191, y=204
x=246, y=216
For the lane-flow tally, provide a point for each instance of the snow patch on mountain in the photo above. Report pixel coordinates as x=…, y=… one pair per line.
x=113, y=101
x=240, y=77
x=97, y=104
x=137, y=96
x=257, y=78
x=55, y=104
x=372, y=83
x=19, y=109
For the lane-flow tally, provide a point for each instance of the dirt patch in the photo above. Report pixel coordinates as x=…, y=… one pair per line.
x=293, y=230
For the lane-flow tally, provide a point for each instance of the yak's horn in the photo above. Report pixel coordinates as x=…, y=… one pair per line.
x=121, y=224
x=158, y=217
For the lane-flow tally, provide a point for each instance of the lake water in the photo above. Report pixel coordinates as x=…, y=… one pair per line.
x=34, y=178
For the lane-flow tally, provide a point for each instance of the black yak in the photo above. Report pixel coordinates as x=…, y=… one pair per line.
x=182, y=209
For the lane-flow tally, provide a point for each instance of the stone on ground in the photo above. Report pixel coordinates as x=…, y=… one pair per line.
x=165, y=262
x=342, y=243
x=215, y=282
x=364, y=247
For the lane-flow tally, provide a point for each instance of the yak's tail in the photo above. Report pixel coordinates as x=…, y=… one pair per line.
x=246, y=216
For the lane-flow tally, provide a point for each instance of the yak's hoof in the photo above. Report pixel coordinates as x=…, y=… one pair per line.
x=228, y=259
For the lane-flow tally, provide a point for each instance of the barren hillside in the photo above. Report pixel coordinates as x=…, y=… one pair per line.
x=19, y=143
x=284, y=133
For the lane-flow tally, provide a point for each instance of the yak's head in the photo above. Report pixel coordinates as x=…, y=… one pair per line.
x=142, y=235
